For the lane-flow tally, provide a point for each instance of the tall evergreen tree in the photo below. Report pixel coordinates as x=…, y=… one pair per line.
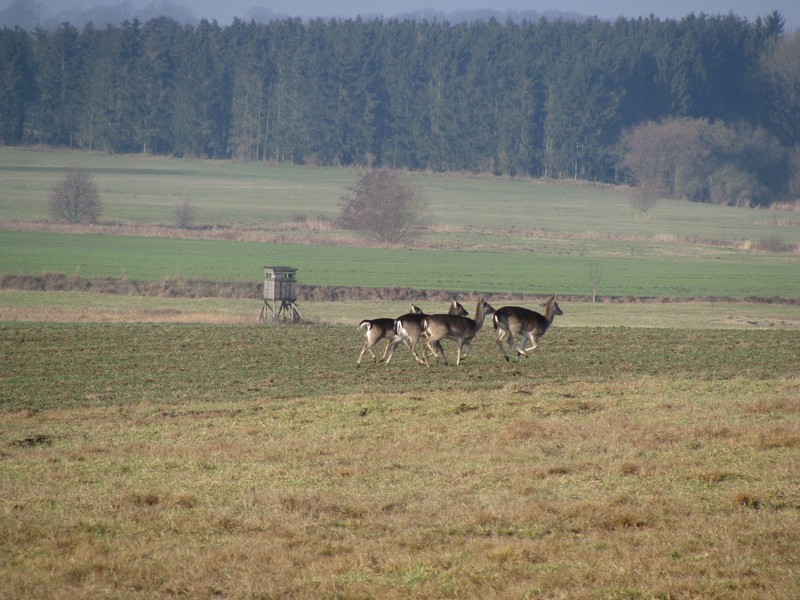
x=119, y=89
x=16, y=84
x=286, y=91
x=247, y=46
x=60, y=77
x=162, y=39
x=541, y=98
x=203, y=94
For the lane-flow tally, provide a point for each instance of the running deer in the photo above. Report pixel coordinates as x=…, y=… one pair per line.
x=376, y=330
x=512, y=320
x=455, y=327
x=408, y=329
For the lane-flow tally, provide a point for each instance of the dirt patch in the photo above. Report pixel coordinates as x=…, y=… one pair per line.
x=33, y=441
x=739, y=321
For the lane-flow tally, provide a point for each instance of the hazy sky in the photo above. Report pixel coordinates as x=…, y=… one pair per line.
x=224, y=10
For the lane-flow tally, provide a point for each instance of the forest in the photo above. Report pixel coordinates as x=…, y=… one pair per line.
x=551, y=98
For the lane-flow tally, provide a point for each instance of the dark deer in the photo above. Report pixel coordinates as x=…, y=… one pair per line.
x=408, y=329
x=376, y=330
x=455, y=327
x=512, y=320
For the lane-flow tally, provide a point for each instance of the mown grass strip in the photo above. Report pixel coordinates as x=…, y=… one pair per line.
x=727, y=273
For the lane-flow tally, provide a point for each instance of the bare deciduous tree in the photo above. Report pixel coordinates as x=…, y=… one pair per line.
x=385, y=206
x=698, y=160
x=644, y=198
x=75, y=198
x=184, y=215
x=664, y=157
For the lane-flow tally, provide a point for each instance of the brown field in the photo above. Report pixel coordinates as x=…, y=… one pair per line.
x=208, y=461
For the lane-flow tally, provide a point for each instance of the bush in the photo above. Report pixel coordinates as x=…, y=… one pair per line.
x=773, y=243
x=385, y=206
x=644, y=198
x=184, y=215
x=75, y=199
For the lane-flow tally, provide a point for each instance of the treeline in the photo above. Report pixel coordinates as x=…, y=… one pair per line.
x=545, y=98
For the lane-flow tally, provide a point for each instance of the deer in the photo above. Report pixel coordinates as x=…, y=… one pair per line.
x=455, y=327
x=376, y=330
x=512, y=320
x=408, y=329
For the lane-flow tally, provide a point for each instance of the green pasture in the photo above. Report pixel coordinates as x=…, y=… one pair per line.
x=138, y=189
x=491, y=235
x=146, y=190
x=724, y=273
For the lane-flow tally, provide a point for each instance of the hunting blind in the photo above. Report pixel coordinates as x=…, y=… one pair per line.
x=280, y=294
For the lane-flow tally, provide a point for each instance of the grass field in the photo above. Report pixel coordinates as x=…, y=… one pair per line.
x=140, y=189
x=142, y=460
x=724, y=272
x=492, y=235
x=153, y=447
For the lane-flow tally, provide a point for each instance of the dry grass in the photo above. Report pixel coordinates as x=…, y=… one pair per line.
x=153, y=461
x=647, y=488
x=84, y=315
x=82, y=307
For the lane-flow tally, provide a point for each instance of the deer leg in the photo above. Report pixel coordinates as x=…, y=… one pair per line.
x=461, y=353
x=533, y=345
x=360, y=356
x=425, y=360
x=413, y=349
x=516, y=347
x=502, y=334
x=436, y=350
x=391, y=346
x=386, y=349
x=440, y=350
x=367, y=348
x=390, y=352
x=428, y=353
x=411, y=342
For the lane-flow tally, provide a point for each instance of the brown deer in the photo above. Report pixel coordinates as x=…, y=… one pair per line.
x=512, y=320
x=455, y=327
x=408, y=329
x=376, y=330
